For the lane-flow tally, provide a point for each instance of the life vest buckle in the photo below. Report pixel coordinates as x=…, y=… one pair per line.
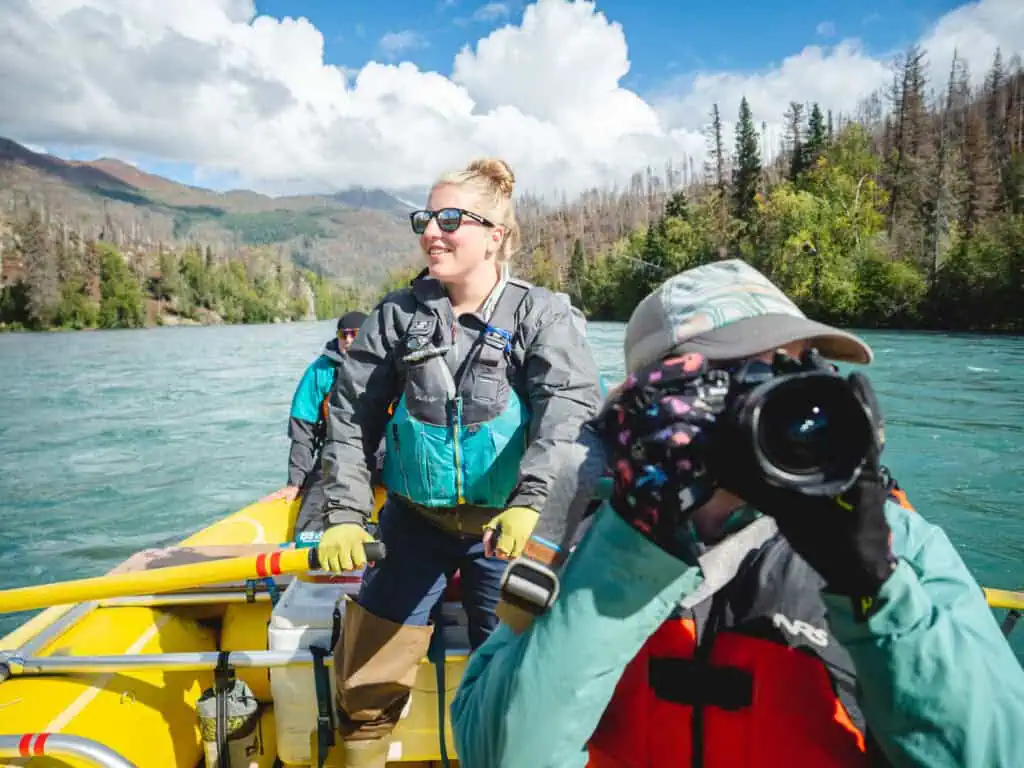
x=498, y=338
x=689, y=682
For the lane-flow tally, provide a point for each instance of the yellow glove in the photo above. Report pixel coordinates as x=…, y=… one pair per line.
x=341, y=548
x=512, y=529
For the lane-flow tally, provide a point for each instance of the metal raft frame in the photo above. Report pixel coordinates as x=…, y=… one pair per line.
x=59, y=745
x=16, y=665
x=22, y=663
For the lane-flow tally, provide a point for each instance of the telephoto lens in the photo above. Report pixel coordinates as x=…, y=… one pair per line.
x=805, y=429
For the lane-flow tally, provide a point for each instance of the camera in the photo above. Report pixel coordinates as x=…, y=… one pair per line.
x=798, y=423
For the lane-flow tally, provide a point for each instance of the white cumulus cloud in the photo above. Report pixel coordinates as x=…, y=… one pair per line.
x=212, y=84
x=836, y=77
x=491, y=12
x=975, y=30
x=396, y=43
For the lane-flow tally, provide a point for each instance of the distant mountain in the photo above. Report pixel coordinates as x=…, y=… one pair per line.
x=357, y=234
x=377, y=199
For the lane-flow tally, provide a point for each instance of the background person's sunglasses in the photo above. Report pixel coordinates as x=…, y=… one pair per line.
x=448, y=219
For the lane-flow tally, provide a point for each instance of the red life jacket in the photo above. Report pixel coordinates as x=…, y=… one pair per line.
x=751, y=676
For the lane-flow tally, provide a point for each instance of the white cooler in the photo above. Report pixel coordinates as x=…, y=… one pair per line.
x=304, y=616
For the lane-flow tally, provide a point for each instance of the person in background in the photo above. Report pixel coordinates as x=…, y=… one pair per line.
x=757, y=625
x=306, y=425
x=492, y=380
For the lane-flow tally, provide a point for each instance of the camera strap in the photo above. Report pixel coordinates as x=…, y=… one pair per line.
x=722, y=562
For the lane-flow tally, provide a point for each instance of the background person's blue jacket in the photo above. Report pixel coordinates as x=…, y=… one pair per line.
x=938, y=683
x=305, y=422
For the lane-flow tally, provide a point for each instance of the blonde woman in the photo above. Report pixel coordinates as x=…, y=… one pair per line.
x=488, y=380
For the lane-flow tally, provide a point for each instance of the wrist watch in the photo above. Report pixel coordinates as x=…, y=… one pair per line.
x=529, y=585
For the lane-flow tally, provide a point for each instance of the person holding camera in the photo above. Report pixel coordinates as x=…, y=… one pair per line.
x=758, y=590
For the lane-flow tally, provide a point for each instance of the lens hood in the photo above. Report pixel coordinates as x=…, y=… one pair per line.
x=806, y=431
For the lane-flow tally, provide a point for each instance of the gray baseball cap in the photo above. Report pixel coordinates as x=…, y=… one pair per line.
x=727, y=310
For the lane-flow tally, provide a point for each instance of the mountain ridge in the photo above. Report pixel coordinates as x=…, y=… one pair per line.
x=351, y=235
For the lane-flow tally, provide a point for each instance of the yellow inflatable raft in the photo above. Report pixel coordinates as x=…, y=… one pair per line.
x=122, y=681
x=118, y=681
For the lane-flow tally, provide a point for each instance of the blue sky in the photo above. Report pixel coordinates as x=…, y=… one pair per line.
x=666, y=38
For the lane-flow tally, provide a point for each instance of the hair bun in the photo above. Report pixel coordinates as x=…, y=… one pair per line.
x=497, y=172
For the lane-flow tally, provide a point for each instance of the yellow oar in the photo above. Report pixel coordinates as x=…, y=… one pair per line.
x=172, y=579
x=1005, y=598
x=274, y=563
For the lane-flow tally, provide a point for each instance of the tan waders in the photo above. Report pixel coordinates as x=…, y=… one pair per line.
x=375, y=664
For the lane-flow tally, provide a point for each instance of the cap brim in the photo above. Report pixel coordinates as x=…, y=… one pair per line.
x=753, y=335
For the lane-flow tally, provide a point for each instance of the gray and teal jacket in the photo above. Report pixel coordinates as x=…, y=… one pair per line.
x=483, y=412
x=929, y=674
x=306, y=422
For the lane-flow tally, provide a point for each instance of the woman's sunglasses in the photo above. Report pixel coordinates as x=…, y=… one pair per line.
x=347, y=334
x=448, y=219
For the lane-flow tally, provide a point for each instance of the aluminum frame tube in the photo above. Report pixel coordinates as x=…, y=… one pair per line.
x=61, y=745
x=15, y=665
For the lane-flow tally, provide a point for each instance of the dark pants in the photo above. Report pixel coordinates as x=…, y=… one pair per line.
x=408, y=583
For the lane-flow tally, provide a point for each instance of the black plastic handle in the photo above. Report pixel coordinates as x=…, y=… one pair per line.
x=375, y=550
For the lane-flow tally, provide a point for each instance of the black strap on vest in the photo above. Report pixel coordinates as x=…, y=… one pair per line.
x=685, y=681
x=497, y=337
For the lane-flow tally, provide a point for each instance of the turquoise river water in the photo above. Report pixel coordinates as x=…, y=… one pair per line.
x=118, y=440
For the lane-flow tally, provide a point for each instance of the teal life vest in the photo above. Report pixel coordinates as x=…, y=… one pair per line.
x=459, y=429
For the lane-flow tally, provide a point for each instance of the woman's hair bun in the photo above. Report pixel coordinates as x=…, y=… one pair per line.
x=497, y=172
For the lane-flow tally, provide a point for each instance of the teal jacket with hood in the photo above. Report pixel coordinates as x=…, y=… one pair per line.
x=305, y=422
x=937, y=682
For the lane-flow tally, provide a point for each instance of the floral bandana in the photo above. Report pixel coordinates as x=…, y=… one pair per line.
x=650, y=430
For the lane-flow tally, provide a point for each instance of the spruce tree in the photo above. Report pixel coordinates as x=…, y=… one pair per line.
x=747, y=175
x=817, y=137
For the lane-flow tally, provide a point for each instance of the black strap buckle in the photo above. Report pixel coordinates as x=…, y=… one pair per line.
x=688, y=682
x=496, y=343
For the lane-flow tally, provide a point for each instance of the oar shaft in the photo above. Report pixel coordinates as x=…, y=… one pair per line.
x=274, y=563
x=158, y=580
x=1005, y=598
